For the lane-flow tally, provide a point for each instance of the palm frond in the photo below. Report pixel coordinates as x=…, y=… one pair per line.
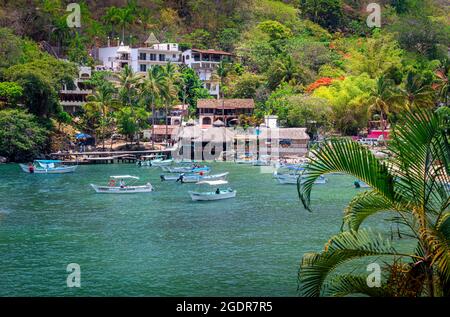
x=349, y=284
x=438, y=246
x=363, y=205
x=346, y=246
x=349, y=157
x=421, y=159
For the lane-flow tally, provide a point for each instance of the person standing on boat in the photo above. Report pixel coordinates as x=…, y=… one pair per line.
x=31, y=168
x=122, y=183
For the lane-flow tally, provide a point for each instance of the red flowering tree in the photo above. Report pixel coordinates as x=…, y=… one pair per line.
x=324, y=81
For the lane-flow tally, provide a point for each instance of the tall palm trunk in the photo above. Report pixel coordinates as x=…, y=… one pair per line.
x=383, y=126
x=153, y=125
x=167, y=117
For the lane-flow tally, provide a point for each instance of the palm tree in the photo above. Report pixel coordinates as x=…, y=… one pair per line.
x=413, y=187
x=381, y=99
x=169, y=91
x=414, y=92
x=151, y=89
x=285, y=70
x=128, y=85
x=99, y=106
x=122, y=17
x=442, y=82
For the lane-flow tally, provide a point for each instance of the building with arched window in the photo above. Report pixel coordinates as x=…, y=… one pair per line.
x=226, y=110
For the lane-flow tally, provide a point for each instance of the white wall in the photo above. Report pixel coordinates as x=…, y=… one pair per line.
x=106, y=53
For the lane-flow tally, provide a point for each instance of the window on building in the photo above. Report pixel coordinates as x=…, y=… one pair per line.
x=162, y=57
x=168, y=47
x=153, y=57
x=187, y=57
x=143, y=67
x=142, y=56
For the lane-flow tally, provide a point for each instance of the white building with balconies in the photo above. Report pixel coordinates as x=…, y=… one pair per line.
x=205, y=64
x=140, y=59
x=73, y=98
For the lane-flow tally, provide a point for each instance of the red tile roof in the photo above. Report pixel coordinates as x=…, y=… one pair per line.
x=228, y=103
x=211, y=51
x=161, y=129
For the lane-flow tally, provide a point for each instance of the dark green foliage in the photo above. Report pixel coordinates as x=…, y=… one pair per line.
x=10, y=93
x=21, y=136
x=327, y=13
x=190, y=88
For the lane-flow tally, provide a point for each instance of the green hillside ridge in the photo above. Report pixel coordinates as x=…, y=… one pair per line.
x=315, y=64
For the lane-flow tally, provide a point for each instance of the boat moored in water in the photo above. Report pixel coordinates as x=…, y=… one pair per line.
x=360, y=184
x=123, y=187
x=167, y=162
x=47, y=167
x=293, y=179
x=218, y=194
x=148, y=160
x=199, y=178
x=187, y=169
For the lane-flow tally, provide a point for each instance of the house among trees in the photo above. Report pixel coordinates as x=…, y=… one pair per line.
x=227, y=111
x=73, y=98
x=160, y=132
x=140, y=59
x=205, y=64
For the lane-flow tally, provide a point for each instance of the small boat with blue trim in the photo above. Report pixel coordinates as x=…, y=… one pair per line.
x=47, y=167
x=218, y=194
x=119, y=185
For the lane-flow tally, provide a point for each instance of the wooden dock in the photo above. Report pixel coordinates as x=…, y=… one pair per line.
x=107, y=157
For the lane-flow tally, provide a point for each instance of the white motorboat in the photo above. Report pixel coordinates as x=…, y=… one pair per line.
x=47, y=167
x=360, y=184
x=287, y=178
x=170, y=177
x=162, y=162
x=261, y=163
x=293, y=179
x=148, y=160
x=118, y=185
x=199, y=178
x=187, y=169
x=218, y=194
x=245, y=161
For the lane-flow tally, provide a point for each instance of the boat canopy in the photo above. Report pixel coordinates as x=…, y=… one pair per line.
x=48, y=161
x=213, y=183
x=124, y=177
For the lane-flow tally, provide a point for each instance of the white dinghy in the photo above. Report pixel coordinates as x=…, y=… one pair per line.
x=292, y=179
x=118, y=185
x=47, y=167
x=218, y=194
x=162, y=162
x=200, y=178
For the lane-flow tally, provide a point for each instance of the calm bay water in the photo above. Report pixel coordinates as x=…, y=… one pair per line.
x=159, y=244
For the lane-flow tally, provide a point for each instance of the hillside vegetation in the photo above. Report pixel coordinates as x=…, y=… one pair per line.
x=314, y=63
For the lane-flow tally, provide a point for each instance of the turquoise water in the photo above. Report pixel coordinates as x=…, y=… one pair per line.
x=162, y=243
